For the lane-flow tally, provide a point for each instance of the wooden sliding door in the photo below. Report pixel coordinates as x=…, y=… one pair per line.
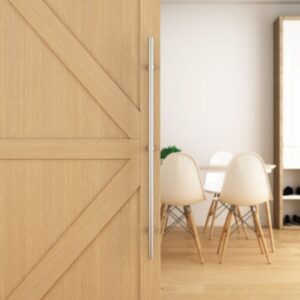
x=73, y=149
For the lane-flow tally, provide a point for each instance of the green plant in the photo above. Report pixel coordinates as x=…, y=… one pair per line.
x=168, y=150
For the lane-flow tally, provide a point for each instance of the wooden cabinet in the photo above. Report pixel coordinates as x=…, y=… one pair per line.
x=287, y=117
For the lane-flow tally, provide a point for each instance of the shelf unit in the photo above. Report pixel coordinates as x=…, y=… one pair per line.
x=291, y=197
x=286, y=139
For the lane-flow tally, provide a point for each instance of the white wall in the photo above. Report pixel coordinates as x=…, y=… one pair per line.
x=217, y=79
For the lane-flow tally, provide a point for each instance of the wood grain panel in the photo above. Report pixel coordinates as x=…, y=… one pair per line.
x=40, y=97
x=79, y=235
x=68, y=149
x=81, y=64
x=109, y=266
x=150, y=270
x=278, y=142
x=244, y=275
x=73, y=158
x=109, y=30
x=39, y=200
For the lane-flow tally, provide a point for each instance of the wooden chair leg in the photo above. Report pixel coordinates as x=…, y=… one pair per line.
x=226, y=236
x=270, y=226
x=242, y=223
x=186, y=210
x=260, y=231
x=164, y=218
x=208, y=216
x=195, y=232
x=162, y=210
x=223, y=233
x=213, y=218
x=236, y=220
x=257, y=210
x=258, y=216
x=256, y=230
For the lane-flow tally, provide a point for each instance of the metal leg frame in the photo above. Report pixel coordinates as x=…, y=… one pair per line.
x=243, y=220
x=177, y=219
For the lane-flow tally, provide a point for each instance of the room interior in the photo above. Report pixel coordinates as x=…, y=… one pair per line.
x=229, y=85
x=149, y=149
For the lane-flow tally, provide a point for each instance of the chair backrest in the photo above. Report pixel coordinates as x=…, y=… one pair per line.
x=214, y=180
x=246, y=182
x=181, y=182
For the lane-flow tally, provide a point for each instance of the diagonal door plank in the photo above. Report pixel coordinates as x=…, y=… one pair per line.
x=79, y=235
x=69, y=148
x=81, y=64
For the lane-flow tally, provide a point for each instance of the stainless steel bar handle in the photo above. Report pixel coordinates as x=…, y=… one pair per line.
x=151, y=149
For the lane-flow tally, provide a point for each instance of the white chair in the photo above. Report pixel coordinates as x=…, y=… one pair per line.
x=213, y=184
x=246, y=184
x=181, y=186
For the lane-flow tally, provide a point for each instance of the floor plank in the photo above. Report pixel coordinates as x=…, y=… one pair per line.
x=244, y=273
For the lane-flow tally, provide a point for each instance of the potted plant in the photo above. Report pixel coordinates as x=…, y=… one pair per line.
x=167, y=151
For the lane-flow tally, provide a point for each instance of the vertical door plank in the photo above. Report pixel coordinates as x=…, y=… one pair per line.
x=150, y=270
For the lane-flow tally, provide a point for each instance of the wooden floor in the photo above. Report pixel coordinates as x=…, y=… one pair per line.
x=244, y=273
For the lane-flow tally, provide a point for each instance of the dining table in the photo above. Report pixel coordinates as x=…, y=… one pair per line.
x=221, y=169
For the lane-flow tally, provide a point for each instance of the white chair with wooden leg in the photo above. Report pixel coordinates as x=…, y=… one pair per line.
x=213, y=185
x=246, y=184
x=181, y=186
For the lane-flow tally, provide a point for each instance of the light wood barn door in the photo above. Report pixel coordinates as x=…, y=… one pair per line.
x=73, y=149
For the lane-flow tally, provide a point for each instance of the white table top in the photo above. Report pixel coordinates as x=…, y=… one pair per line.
x=209, y=168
